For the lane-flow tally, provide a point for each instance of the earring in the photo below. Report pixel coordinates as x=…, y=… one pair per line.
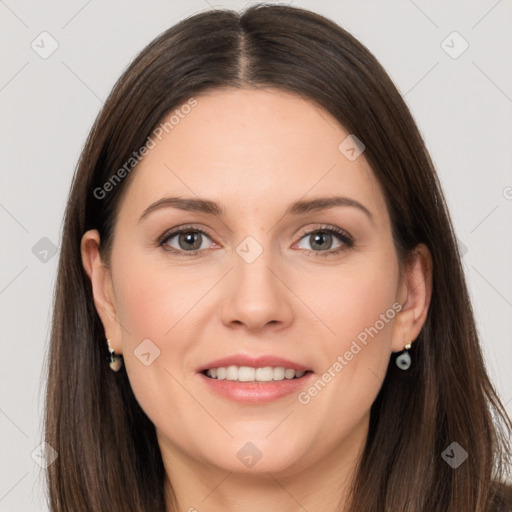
x=403, y=361
x=115, y=361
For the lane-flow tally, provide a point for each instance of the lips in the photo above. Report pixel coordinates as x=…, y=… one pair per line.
x=256, y=393
x=260, y=361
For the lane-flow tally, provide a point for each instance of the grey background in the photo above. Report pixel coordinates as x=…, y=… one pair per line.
x=462, y=105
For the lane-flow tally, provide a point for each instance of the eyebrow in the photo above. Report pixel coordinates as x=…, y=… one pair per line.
x=212, y=208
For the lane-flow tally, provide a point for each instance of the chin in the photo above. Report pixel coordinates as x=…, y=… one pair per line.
x=257, y=456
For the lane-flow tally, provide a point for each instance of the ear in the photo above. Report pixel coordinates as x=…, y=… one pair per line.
x=414, y=294
x=102, y=288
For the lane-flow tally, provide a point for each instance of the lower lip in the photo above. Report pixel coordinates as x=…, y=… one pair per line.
x=256, y=392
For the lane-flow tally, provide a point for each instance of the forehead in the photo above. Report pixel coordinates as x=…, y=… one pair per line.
x=251, y=148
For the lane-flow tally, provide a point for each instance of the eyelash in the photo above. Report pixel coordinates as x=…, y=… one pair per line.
x=343, y=236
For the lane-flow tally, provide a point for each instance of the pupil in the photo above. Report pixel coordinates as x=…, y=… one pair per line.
x=192, y=240
x=322, y=237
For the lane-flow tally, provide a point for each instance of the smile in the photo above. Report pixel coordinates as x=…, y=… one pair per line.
x=250, y=374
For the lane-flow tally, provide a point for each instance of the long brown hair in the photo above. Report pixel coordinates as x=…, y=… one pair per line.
x=108, y=455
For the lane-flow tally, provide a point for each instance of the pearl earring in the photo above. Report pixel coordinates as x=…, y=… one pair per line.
x=403, y=361
x=115, y=361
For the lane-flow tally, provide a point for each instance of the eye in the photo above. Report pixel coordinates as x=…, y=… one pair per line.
x=189, y=240
x=322, y=239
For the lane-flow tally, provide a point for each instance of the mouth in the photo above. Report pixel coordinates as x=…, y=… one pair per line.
x=252, y=374
x=254, y=379
x=253, y=386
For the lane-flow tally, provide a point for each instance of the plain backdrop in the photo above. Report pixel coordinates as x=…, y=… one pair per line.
x=460, y=97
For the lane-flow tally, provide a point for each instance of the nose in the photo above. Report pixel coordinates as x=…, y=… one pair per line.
x=257, y=296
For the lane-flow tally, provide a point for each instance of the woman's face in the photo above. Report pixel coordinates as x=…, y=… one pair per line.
x=268, y=280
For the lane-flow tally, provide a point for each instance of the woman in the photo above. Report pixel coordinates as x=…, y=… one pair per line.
x=208, y=351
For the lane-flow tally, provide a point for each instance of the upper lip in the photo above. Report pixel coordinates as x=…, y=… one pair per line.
x=259, y=361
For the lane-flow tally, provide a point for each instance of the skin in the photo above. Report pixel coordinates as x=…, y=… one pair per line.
x=255, y=152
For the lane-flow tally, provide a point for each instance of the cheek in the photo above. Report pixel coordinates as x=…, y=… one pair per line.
x=357, y=314
x=352, y=301
x=153, y=307
x=155, y=297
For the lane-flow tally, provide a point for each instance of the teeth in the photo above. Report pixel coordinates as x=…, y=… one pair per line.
x=279, y=373
x=289, y=374
x=231, y=373
x=265, y=374
x=245, y=373
x=249, y=374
